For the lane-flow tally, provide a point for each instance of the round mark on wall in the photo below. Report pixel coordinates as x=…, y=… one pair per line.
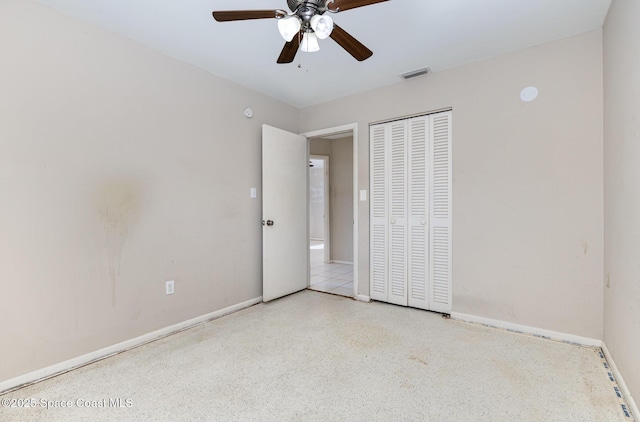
x=529, y=94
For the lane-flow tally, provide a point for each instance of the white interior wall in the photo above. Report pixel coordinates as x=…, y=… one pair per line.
x=527, y=180
x=120, y=168
x=622, y=189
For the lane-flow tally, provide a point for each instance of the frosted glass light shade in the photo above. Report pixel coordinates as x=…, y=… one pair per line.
x=309, y=43
x=289, y=27
x=322, y=26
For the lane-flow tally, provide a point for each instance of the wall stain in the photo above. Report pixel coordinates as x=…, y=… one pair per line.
x=585, y=246
x=118, y=206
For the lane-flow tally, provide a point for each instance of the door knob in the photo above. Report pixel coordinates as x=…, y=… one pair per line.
x=269, y=222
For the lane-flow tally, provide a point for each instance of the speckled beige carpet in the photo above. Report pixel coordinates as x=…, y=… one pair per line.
x=317, y=357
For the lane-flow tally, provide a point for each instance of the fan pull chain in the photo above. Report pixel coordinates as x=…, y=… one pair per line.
x=300, y=55
x=300, y=45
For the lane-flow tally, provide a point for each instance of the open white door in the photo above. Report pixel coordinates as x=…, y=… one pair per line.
x=285, y=247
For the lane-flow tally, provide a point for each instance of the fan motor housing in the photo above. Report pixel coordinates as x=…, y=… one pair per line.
x=295, y=4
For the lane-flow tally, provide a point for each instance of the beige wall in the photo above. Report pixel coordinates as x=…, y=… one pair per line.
x=120, y=169
x=527, y=180
x=341, y=173
x=340, y=152
x=622, y=189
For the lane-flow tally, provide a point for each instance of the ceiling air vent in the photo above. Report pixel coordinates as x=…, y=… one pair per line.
x=415, y=73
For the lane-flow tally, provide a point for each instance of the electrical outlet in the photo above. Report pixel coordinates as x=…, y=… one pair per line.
x=169, y=287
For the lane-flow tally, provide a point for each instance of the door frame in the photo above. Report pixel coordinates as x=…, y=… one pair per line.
x=353, y=128
x=327, y=206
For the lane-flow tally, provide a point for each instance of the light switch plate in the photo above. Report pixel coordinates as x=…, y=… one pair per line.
x=254, y=193
x=363, y=195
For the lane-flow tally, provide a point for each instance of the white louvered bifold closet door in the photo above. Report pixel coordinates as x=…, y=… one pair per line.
x=410, y=173
x=440, y=221
x=398, y=214
x=379, y=212
x=418, y=244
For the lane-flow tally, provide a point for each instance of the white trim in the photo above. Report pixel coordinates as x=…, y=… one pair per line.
x=525, y=329
x=353, y=127
x=341, y=262
x=356, y=198
x=623, y=386
x=331, y=130
x=411, y=116
x=363, y=298
x=71, y=364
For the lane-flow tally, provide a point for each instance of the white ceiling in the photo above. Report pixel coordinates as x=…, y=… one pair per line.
x=403, y=35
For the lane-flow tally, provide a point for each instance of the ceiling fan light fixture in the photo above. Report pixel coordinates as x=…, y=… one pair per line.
x=309, y=43
x=289, y=27
x=322, y=26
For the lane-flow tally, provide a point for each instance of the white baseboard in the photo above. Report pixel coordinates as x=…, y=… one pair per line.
x=525, y=329
x=341, y=262
x=68, y=365
x=363, y=298
x=623, y=386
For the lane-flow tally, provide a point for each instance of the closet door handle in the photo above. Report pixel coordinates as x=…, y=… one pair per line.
x=393, y=221
x=423, y=222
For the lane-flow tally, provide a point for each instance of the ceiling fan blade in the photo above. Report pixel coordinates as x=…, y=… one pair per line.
x=290, y=49
x=241, y=15
x=342, y=5
x=353, y=46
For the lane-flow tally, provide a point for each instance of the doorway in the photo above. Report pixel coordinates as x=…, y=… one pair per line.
x=319, y=209
x=331, y=211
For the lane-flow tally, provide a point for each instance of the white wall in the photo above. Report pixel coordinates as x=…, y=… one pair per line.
x=527, y=180
x=120, y=169
x=622, y=189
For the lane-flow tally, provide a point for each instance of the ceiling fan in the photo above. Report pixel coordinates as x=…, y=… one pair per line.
x=305, y=24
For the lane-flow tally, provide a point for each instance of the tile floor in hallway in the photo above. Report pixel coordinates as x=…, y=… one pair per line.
x=329, y=277
x=332, y=278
